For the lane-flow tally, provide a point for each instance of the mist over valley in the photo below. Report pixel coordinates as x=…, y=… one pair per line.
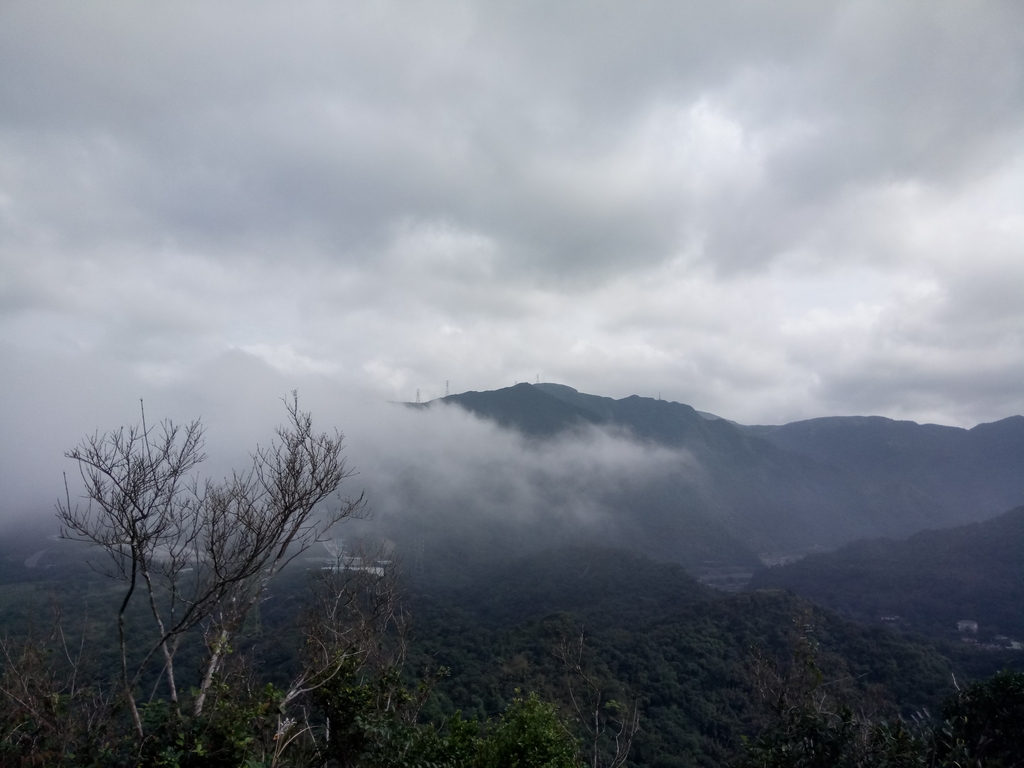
x=538, y=384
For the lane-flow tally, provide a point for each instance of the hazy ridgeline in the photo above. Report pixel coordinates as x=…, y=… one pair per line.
x=535, y=465
x=661, y=478
x=524, y=517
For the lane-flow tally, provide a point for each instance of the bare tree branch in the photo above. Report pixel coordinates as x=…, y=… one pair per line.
x=610, y=725
x=201, y=553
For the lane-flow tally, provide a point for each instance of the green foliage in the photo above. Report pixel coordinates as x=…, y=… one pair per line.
x=359, y=718
x=237, y=727
x=970, y=572
x=981, y=727
x=652, y=634
x=373, y=723
x=371, y=720
x=528, y=735
x=986, y=721
x=807, y=738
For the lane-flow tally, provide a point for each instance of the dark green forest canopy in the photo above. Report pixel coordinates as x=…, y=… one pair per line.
x=927, y=583
x=497, y=612
x=652, y=633
x=822, y=482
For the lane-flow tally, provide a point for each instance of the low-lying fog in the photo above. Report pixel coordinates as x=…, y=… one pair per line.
x=423, y=470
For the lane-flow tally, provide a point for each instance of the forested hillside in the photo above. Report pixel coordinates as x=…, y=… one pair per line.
x=739, y=491
x=930, y=475
x=460, y=639
x=690, y=660
x=691, y=656
x=927, y=583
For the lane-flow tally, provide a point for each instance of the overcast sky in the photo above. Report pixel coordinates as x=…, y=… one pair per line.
x=771, y=211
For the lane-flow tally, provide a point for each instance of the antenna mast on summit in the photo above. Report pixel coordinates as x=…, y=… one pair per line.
x=446, y=388
x=417, y=394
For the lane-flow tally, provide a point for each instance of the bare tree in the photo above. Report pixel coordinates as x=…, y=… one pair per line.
x=352, y=661
x=610, y=725
x=355, y=618
x=199, y=554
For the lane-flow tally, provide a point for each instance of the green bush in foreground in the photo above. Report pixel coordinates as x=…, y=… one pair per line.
x=362, y=715
x=983, y=726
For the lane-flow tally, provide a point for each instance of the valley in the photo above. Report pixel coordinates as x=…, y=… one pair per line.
x=753, y=558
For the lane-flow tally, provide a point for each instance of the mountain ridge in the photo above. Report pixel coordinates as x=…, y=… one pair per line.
x=814, y=483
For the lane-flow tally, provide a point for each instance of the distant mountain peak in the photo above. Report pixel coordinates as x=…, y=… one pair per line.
x=552, y=388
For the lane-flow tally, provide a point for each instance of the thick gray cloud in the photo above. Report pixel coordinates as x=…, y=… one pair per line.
x=770, y=211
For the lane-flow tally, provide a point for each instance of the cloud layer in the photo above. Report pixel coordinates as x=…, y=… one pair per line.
x=769, y=211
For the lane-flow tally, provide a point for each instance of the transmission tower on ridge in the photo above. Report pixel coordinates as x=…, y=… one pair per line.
x=446, y=388
x=417, y=394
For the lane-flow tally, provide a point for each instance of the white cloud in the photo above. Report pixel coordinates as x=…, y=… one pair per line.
x=285, y=359
x=767, y=211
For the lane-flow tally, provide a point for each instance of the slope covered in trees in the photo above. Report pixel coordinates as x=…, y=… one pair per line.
x=700, y=666
x=930, y=474
x=930, y=581
x=823, y=482
x=688, y=659
x=558, y=656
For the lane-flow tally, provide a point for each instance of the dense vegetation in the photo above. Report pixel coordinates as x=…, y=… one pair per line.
x=782, y=488
x=703, y=670
x=692, y=657
x=198, y=648
x=926, y=583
